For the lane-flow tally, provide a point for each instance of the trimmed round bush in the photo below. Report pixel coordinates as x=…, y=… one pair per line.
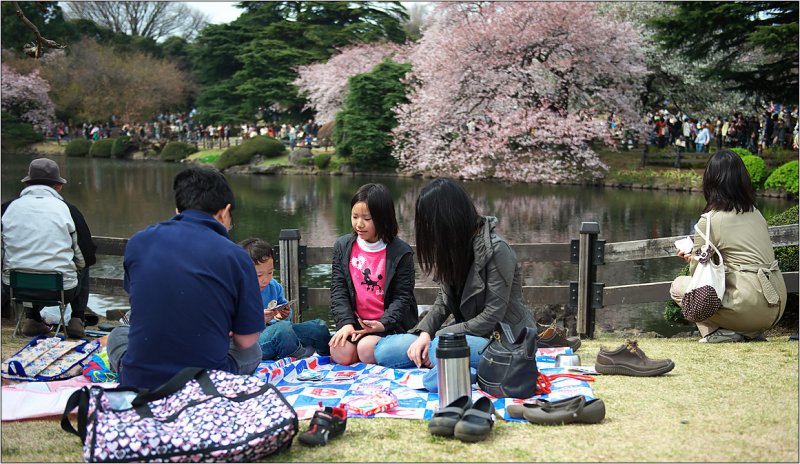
x=101, y=148
x=741, y=151
x=176, y=151
x=121, y=146
x=784, y=178
x=262, y=145
x=78, y=147
x=757, y=169
x=322, y=160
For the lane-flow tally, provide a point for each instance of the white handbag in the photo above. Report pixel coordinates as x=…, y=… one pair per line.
x=703, y=297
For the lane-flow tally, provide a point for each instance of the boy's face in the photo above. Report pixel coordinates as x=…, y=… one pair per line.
x=265, y=271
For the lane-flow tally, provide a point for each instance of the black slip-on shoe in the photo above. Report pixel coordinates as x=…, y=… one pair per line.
x=444, y=420
x=477, y=422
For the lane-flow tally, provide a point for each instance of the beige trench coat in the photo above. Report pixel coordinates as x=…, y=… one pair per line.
x=755, y=293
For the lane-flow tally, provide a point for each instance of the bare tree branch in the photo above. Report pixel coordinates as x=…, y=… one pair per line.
x=32, y=49
x=154, y=20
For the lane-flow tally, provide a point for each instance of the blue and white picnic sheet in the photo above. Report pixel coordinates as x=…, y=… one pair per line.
x=341, y=384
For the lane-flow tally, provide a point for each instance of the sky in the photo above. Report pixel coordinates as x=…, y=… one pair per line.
x=225, y=12
x=218, y=12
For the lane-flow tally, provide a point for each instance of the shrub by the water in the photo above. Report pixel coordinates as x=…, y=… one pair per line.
x=78, y=147
x=784, y=178
x=176, y=151
x=17, y=133
x=262, y=145
x=322, y=161
x=741, y=151
x=101, y=148
x=757, y=169
x=121, y=146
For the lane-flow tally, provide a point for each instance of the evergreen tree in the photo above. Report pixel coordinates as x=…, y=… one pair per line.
x=363, y=127
x=753, y=46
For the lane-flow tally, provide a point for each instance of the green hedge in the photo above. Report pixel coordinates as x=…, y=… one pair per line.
x=101, y=148
x=121, y=146
x=322, y=160
x=741, y=151
x=176, y=151
x=262, y=145
x=784, y=178
x=757, y=169
x=787, y=256
x=16, y=133
x=78, y=147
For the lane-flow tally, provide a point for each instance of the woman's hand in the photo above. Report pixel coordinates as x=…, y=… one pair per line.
x=368, y=327
x=341, y=335
x=418, y=351
x=686, y=256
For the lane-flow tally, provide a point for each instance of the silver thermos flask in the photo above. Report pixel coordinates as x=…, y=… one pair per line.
x=452, y=356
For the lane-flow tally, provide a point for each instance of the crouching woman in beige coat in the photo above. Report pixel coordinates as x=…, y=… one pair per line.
x=755, y=293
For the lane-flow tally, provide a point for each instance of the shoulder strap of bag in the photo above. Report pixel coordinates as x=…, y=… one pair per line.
x=175, y=384
x=707, y=237
x=79, y=399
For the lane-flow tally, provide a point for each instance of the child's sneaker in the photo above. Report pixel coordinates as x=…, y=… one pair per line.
x=326, y=424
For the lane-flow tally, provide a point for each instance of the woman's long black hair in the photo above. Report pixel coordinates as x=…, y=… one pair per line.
x=445, y=223
x=727, y=185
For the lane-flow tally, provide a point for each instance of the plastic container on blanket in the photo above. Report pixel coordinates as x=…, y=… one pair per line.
x=372, y=404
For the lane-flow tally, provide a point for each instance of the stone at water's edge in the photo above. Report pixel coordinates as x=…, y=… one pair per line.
x=298, y=154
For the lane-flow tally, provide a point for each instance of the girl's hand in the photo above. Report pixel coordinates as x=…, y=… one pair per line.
x=368, y=327
x=341, y=335
x=418, y=351
x=686, y=256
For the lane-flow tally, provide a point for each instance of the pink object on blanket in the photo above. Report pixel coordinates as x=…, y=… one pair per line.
x=30, y=400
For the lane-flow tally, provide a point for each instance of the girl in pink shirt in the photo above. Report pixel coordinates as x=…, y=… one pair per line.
x=372, y=279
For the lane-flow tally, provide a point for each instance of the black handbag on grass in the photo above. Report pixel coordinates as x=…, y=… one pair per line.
x=507, y=368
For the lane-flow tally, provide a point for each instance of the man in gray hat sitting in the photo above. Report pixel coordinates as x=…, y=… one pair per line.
x=40, y=234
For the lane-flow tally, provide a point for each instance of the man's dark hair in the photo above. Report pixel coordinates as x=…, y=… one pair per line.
x=727, y=185
x=259, y=250
x=381, y=208
x=202, y=188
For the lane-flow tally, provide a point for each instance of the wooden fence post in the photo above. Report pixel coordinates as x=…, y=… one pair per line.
x=587, y=294
x=291, y=261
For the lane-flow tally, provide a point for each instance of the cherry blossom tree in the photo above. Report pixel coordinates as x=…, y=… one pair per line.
x=325, y=84
x=515, y=91
x=25, y=96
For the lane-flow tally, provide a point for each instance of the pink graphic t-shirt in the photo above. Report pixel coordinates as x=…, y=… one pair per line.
x=368, y=272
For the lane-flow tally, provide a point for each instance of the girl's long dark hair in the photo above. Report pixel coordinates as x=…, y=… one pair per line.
x=381, y=208
x=726, y=184
x=445, y=222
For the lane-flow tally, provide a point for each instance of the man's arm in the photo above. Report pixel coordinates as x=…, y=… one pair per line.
x=245, y=341
x=85, y=242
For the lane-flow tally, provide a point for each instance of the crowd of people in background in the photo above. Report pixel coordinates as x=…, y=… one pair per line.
x=183, y=127
x=777, y=127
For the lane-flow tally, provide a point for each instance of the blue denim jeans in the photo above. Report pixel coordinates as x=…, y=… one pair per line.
x=283, y=338
x=391, y=352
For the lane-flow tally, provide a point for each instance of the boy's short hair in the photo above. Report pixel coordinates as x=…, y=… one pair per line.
x=259, y=250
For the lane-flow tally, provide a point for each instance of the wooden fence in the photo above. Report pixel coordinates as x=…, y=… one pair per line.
x=585, y=294
x=677, y=158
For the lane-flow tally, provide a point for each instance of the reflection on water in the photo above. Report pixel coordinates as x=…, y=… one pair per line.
x=119, y=198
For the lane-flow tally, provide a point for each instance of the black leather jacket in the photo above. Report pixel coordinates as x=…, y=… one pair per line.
x=400, y=306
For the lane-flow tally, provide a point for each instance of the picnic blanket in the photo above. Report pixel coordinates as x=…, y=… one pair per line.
x=30, y=400
x=341, y=384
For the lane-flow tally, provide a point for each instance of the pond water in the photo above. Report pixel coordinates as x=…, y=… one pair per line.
x=120, y=197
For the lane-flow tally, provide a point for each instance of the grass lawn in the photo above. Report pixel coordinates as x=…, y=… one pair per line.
x=729, y=402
